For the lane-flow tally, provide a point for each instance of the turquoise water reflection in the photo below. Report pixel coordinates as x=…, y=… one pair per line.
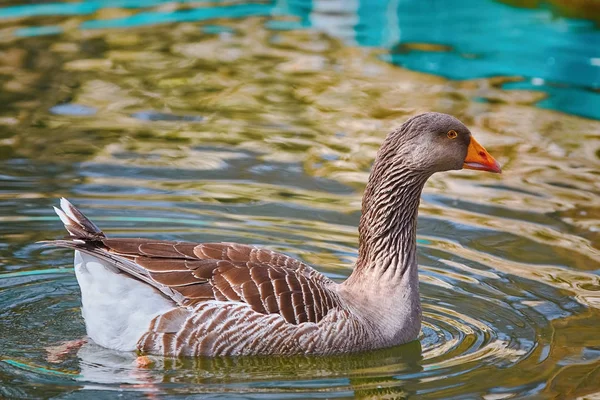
x=456, y=39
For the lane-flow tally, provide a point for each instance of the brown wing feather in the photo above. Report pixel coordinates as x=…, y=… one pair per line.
x=267, y=281
x=191, y=273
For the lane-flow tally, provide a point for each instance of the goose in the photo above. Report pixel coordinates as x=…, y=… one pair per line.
x=176, y=298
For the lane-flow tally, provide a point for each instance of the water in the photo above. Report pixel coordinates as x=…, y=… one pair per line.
x=257, y=123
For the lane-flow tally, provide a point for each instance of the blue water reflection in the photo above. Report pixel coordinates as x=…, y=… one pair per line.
x=457, y=39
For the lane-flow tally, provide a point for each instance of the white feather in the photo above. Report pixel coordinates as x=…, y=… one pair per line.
x=63, y=217
x=116, y=308
x=67, y=208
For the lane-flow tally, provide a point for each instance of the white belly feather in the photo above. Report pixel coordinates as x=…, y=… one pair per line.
x=116, y=308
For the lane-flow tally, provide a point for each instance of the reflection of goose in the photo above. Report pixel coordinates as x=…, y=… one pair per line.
x=180, y=298
x=99, y=365
x=366, y=375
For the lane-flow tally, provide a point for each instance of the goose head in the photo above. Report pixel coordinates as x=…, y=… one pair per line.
x=435, y=142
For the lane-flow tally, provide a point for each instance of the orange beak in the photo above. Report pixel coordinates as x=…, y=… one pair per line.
x=478, y=158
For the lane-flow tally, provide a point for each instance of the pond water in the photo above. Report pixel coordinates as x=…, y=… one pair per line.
x=258, y=123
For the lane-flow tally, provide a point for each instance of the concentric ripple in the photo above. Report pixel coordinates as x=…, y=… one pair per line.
x=44, y=316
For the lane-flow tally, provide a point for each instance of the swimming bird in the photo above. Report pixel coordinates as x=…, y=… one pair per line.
x=213, y=299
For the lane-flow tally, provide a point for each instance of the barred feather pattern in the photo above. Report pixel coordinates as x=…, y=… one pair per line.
x=217, y=328
x=244, y=300
x=228, y=298
x=388, y=223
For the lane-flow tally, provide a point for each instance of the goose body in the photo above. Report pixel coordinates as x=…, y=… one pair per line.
x=214, y=299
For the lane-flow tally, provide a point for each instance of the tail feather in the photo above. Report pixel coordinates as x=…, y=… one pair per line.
x=87, y=238
x=78, y=225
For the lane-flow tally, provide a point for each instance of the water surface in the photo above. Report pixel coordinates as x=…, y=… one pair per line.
x=258, y=123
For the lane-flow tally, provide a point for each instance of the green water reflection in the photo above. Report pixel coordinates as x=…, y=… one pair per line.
x=261, y=128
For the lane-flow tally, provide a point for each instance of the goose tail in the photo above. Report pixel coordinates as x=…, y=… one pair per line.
x=78, y=225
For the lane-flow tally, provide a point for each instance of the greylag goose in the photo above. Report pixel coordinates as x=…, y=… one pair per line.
x=214, y=299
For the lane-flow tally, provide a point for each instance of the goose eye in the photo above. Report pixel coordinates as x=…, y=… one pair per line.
x=452, y=134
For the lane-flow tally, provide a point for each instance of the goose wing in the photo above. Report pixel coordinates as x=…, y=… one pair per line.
x=190, y=273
